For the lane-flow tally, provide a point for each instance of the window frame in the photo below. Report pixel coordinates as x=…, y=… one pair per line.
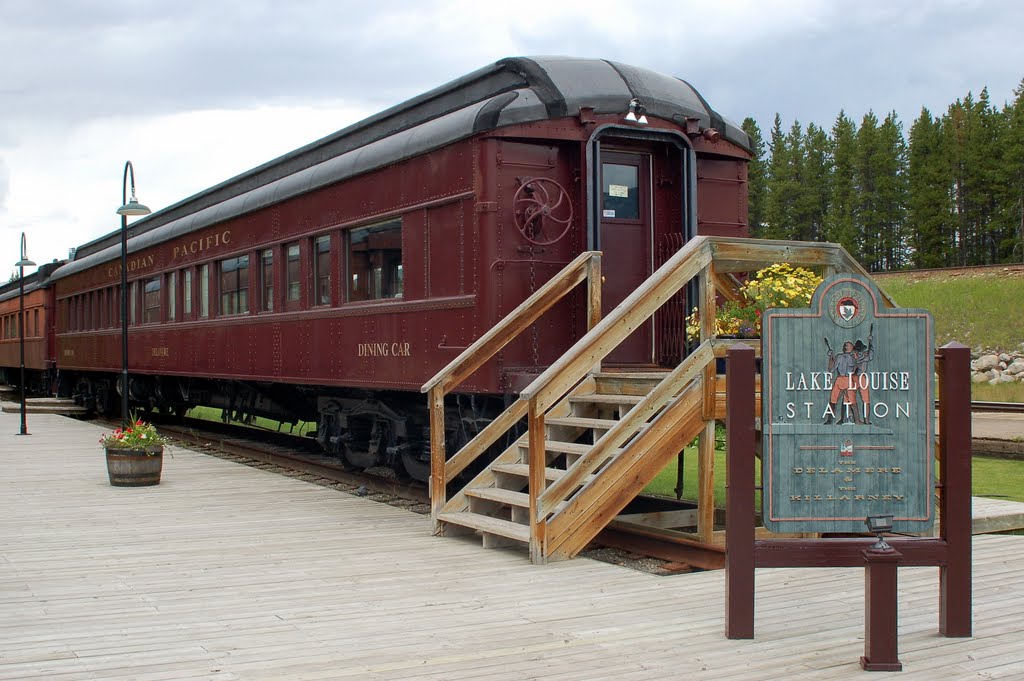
x=266, y=279
x=320, y=288
x=152, y=306
x=375, y=275
x=233, y=300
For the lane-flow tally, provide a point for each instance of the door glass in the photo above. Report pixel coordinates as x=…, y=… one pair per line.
x=621, y=196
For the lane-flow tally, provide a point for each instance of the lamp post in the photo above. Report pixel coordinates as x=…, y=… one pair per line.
x=128, y=207
x=21, y=265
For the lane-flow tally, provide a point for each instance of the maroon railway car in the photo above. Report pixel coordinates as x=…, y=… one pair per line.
x=331, y=283
x=40, y=364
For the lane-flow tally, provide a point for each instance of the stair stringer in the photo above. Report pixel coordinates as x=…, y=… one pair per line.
x=622, y=479
x=459, y=502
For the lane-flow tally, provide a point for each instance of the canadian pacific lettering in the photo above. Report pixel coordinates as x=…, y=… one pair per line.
x=193, y=246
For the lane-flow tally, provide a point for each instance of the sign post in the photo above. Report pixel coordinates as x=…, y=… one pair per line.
x=848, y=444
x=847, y=414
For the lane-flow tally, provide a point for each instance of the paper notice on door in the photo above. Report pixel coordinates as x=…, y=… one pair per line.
x=619, y=190
x=608, y=213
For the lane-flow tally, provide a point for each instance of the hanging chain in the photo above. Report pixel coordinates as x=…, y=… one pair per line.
x=533, y=289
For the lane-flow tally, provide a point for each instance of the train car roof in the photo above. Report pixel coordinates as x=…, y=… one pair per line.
x=13, y=290
x=509, y=92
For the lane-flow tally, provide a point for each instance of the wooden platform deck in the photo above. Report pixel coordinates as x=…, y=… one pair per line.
x=228, y=572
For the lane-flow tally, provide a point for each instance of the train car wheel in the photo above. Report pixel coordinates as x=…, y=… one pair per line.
x=415, y=467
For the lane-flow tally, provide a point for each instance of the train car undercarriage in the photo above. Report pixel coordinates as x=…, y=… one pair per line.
x=362, y=428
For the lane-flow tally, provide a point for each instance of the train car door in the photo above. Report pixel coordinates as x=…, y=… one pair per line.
x=625, y=235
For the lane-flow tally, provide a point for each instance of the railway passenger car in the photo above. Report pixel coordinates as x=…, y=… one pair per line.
x=40, y=365
x=330, y=283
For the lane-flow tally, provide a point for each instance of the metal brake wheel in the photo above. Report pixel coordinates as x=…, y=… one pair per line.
x=543, y=211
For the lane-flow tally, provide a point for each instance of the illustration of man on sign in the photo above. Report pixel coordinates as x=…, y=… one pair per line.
x=848, y=368
x=863, y=354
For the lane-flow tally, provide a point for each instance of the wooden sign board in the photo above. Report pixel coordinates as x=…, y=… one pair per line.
x=847, y=412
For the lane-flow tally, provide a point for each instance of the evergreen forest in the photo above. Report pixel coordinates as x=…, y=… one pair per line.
x=949, y=193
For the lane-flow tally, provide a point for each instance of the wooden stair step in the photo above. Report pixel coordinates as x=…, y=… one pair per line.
x=565, y=447
x=488, y=525
x=580, y=422
x=523, y=471
x=505, y=496
x=502, y=496
x=598, y=398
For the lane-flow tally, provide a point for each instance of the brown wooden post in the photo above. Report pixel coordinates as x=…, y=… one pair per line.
x=881, y=615
x=955, y=503
x=537, y=461
x=594, y=292
x=739, y=479
x=706, y=483
x=594, y=283
x=438, y=493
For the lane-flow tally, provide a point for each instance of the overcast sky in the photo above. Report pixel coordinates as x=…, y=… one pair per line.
x=194, y=92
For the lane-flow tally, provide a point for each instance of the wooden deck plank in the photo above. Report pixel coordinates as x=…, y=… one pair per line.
x=227, y=572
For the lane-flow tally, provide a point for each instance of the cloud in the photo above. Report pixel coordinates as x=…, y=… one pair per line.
x=196, y=92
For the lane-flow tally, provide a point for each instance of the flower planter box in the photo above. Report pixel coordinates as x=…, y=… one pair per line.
x=134, y=467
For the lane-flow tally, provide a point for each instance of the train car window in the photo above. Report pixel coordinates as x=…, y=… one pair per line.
x=293, y=279
x=234, y=285
x=375, y=262
x=133, y=302
x=322, y=269
x=621, y=191
x=267, y=280
x=204, y=291
x=35, y=326
x=186, y=293
x=151, y=301
x=172, y=298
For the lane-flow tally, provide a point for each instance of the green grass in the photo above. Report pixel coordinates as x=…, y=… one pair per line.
x=997, y=478
x=1003, y=392
x=975, y=310
x=212, y=414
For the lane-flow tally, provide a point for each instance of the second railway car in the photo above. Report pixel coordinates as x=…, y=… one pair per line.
x=39, y=348
x=329, y=284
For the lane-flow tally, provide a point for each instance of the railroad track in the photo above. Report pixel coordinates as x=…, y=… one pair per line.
x=1005, y=407
x=285, y=451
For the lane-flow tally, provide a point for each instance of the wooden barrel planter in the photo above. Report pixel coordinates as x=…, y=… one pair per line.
x=134, y=467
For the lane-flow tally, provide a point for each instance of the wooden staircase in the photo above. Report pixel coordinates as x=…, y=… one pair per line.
x=593, y=440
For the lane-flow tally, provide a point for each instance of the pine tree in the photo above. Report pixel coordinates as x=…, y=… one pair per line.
x=816, y=182
x=777, y=213
x=839, y=226
x=867, y=212
x=890, y=164
x=756, y=179
x=956, y=126
x=794, y=188
x=1011, y=179
x=929, y=203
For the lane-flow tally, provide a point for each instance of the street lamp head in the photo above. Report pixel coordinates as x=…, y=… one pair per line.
x=133, y=208
x=24, y=262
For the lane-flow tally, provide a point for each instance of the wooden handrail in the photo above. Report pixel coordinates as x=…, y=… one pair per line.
x=585, y=267
x=629, y=424
x=571, y=367
x=517, y=321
